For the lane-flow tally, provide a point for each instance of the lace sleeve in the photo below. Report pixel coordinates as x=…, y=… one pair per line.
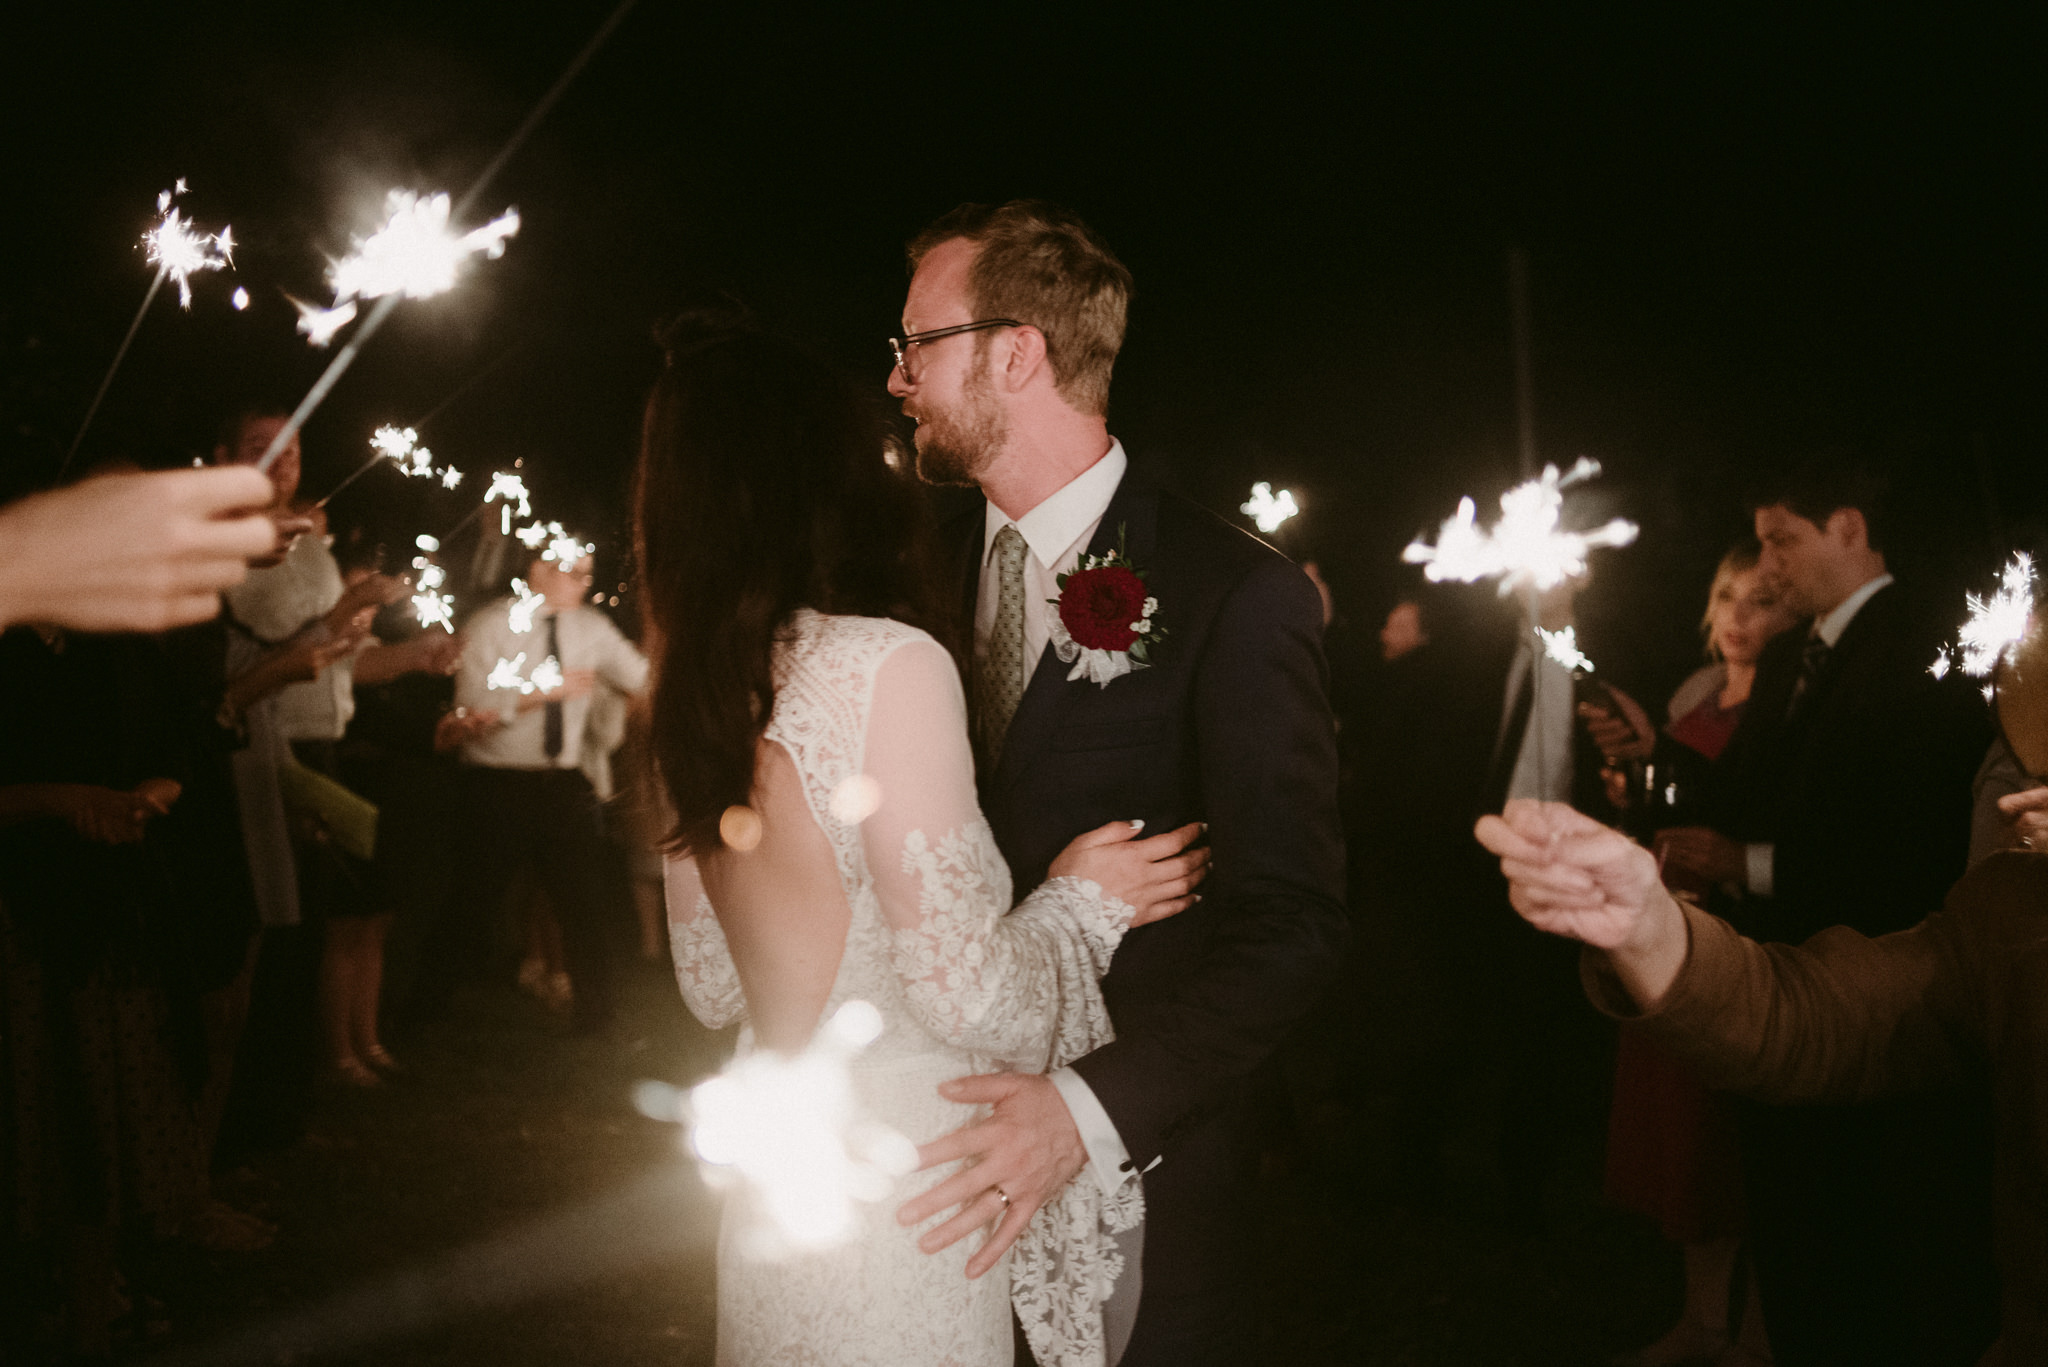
x=704, y=967
x=1020, y=985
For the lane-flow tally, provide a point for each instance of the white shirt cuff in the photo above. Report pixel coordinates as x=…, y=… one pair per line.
x=1762, y=865
x=1107, y=1157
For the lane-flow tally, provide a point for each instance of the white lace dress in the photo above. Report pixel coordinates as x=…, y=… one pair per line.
x=872, y=714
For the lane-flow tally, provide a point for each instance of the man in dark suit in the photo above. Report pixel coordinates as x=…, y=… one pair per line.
x=1013, y=321
x=1846, y=792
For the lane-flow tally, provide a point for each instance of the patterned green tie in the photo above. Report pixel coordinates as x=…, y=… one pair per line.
x=1002, y=668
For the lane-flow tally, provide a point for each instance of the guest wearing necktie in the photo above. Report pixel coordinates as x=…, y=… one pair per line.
x=1844, y=796
x=531, y=803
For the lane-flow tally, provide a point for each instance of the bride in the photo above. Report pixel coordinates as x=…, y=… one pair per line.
x=812, y=742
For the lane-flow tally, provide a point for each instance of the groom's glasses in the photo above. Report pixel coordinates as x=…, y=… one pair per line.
x=905, y=347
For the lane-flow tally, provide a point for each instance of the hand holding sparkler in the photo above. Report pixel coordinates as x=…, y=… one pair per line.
x=132, y=552
x=462, y=725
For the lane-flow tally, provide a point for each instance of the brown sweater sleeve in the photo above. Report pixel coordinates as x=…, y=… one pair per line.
x=1841, y=1017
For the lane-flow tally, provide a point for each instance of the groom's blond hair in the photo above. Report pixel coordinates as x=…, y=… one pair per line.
x=1040, y=264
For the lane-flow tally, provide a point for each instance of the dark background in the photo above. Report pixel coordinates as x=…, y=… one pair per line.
x=1746, y=238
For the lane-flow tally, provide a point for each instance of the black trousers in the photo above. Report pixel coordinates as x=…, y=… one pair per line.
x=547, y=820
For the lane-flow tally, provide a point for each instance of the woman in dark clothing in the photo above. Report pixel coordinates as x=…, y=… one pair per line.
x=1671, y=1144
x=104, y=1046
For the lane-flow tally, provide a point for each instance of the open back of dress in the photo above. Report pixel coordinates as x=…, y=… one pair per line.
x=872, y=720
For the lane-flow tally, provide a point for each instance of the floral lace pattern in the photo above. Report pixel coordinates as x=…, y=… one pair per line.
x=964, y=984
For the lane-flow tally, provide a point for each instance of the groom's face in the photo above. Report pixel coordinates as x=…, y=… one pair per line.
x=960, y=421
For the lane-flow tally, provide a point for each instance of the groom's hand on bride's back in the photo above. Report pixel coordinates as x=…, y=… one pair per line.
x=1019, y=1158
x=1157, y=876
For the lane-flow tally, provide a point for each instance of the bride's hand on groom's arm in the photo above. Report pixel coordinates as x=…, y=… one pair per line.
x=1157, y=876
x=1571, y=876
x=1021, y=1156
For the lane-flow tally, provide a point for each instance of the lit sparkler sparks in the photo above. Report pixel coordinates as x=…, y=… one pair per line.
x=505, y=675
x=414, y=253
x=1563, y=647
x=427, y=543
x=395, y=442
x=435, y=609
x=547, y=675
x=509, y=487
x=1268, y=509
x=1999, y=623
x=534, y=533
x=239, y=299
x=177, y=251
x=790, y=1131
x=320, y=325
x=565, y=550
x=527, y=602
x=1527, y=546
x=450, y=477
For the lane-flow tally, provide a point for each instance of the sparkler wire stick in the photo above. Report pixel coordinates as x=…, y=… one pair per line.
x=346, y=357
x=121, y=354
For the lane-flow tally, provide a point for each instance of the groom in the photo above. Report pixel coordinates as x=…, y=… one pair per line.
x=1012, y=324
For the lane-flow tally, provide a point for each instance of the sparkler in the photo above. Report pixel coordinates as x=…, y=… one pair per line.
x=1269, y=509
x=520, y=616
x=505, y=675
x=565, y=550
x=547, y=675
x=790, y=1131
x=239, y=299
x=1527, y=547
x=508, y=487
x=1563, y=647
x=176, y=251
x=319, y=324
x=1998, y=624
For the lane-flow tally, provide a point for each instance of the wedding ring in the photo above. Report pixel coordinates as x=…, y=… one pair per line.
x=1004, y=1197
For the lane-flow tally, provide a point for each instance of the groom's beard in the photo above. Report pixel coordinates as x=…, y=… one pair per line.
x=955, y=445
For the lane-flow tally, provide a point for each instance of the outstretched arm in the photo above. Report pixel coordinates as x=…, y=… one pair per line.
x=1842, y=1017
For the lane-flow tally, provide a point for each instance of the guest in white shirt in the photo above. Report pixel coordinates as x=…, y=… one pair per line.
x=537, y=664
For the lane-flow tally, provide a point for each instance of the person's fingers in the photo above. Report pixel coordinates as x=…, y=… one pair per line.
x=2031, y=800
x=990, y=1253
x=1562, y=877
x=956, y=1190
x=979, y=1213
x=979, y=1087
x=1504, y=840
x=1159, y=911
x=1169, y=843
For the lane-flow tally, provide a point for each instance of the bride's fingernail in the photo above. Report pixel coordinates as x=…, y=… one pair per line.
x=1138, y=825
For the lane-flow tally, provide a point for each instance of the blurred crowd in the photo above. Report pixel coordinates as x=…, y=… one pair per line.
x=1812, y=772
x=234, y=761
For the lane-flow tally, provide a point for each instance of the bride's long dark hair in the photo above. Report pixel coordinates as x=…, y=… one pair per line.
x=762, y=488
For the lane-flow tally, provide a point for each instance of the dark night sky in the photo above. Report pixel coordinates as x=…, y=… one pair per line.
x=1744, y=238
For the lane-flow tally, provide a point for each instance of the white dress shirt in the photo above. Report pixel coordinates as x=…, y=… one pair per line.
x=586, y=639
x=1057, y=532
x=276, y=604
x=1760, y=861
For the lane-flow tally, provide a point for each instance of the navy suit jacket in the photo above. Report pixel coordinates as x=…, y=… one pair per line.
x=1231, y=725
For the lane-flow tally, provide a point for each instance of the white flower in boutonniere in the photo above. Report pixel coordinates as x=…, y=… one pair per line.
x=1105, y=625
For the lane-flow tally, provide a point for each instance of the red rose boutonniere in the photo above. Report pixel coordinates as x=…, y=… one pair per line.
x=1105, y=627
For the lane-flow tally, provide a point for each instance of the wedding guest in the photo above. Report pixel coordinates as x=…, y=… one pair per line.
x=1672, y=1152
x=1843, y=1017
x=532, y=804
x=384, y=754
x=287, y=634
x=1868, y=1245
x=101, y=1040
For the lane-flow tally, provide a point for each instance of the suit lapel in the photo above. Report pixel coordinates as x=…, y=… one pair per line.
x=1135, y=509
